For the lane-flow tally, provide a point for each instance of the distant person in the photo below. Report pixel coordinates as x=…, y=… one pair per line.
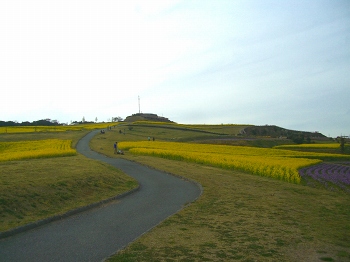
x=115, y=147
x=153, y=139
x=149, y=139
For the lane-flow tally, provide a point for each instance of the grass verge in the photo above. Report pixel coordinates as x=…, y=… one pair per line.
x=242, y=217
x=36, y=189
x=239, y=217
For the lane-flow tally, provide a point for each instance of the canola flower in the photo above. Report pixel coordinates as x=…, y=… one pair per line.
x=277, y=163
x=30, y=129
x=10, y=151
x=231, y=150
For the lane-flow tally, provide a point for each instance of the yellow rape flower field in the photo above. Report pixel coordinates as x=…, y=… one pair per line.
x=21, y=150
x=276, y=163
x=59, y=128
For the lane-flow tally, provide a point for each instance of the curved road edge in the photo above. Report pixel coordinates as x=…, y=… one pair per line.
x=32, y=225
x=69, y=213
x=104, y=229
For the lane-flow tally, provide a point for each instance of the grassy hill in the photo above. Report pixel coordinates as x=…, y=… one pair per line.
x=239, y=217
x=146, y=117
x=224, y=134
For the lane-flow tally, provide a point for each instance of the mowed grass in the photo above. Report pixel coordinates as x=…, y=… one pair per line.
x=243, y=217
x=240, y=217
x=177, y=132
x=141, y=131
x=35, y=189
x=223, y=129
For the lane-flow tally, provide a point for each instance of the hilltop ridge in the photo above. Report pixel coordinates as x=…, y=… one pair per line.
x=276, y=131
x=146, y=117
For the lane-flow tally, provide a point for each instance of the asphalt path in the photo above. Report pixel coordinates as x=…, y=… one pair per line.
x=96, y=234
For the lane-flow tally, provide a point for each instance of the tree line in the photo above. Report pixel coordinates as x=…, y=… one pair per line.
x=49, y=122
x=42, y=122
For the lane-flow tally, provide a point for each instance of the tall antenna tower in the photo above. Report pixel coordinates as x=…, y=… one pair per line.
x=139, y=104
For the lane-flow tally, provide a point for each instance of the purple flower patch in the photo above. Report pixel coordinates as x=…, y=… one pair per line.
x=329, y=174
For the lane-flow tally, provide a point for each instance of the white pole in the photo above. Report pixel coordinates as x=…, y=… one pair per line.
x=139, y=104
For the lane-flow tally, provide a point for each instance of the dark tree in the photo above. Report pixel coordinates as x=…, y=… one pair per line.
x=342, y=144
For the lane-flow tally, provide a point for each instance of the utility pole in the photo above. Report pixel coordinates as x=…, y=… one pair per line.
x=139, y=104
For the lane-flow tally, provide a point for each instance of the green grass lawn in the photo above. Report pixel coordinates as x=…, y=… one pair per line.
x=239, y=217
x=34, y=189
x=173, y=132
x=242, y=217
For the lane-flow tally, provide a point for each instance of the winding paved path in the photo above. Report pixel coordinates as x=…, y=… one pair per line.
x=96, y=234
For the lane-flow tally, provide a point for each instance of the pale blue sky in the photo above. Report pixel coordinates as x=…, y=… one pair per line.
x=284, y=63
